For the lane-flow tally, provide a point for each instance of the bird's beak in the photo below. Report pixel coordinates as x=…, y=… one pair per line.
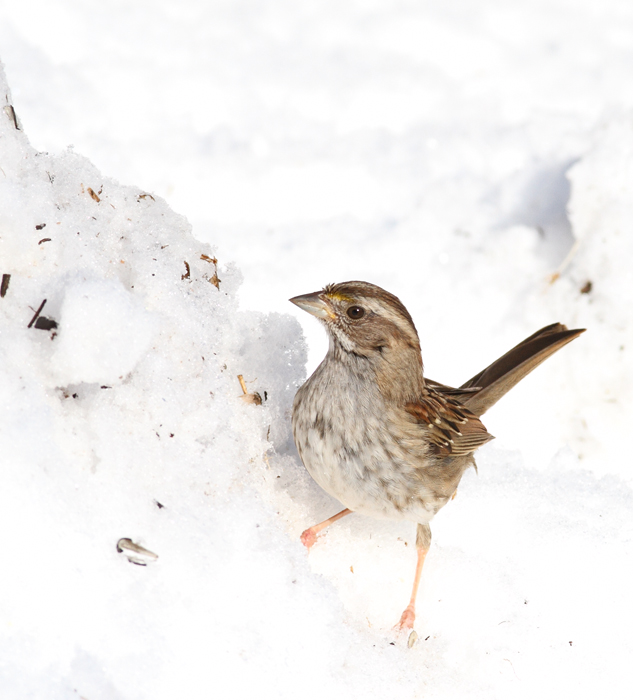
x=314, y=304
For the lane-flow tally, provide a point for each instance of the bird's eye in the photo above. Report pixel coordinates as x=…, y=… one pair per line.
x=355, y=312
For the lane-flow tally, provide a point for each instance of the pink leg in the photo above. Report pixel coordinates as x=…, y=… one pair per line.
x=408, y=616
x=423, y=544
x=308, y=537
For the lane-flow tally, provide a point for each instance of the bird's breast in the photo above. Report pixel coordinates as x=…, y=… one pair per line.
x=361, y=450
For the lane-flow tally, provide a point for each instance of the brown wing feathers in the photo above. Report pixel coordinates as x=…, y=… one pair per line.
x=453, y=429
x=452, y=415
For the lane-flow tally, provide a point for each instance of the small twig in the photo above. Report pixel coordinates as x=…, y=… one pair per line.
x=4, y=287
x=37, y=313
x=215, y=280
x=565, y=264
x=12, y=116
x=249, y=398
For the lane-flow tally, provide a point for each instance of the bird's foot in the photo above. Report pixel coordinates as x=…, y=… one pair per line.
x=405, y=625
x=407, y=619
x=308, y=537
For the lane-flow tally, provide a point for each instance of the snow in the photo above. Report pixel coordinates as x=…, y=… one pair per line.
x=106, y=332
x=474, y=159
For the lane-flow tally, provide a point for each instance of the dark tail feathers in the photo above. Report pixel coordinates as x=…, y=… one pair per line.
x=499, y=377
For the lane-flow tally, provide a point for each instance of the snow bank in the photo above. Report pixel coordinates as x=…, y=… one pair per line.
x=124, y=418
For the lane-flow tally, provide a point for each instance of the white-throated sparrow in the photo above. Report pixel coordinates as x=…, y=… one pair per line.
x=374, y=432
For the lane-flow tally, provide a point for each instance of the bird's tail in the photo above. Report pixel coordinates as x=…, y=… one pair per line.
x=499, y=377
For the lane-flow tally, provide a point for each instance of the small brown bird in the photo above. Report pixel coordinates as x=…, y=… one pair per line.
x=374, y=432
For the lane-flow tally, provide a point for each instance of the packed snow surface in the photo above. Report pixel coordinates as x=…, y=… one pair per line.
x=476, y=159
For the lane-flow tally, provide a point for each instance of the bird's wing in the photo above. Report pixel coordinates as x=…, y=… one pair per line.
x=458, y=393
x=453, y=430
x=452, y=414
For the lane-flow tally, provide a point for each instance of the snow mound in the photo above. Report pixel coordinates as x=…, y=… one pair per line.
x=121, y=416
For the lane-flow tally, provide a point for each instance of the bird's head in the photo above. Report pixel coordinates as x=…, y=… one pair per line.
x=364, y=320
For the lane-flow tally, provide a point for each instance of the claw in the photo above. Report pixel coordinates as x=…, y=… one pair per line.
x=308, y=537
